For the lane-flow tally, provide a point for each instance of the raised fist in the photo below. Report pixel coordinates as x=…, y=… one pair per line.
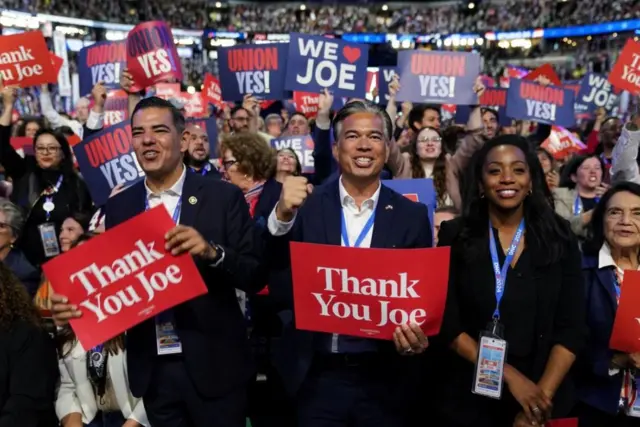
x=295, y=190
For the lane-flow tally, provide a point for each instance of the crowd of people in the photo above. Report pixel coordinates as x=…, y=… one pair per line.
x=285, y=18
x=564, y=229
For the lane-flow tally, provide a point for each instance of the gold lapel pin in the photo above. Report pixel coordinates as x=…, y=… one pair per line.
x=193, y=200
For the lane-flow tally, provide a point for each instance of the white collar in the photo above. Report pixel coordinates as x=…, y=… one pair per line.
x=604, y=257
x=346, y=198
x=175, y=190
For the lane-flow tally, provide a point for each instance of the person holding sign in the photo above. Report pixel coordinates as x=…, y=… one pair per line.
x=511, y=313
x=191, y=364
x=354, y=210
x=46, y=185
x=607, y=384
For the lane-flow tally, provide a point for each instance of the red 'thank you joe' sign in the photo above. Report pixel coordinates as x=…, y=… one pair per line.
x=626, y=328
x=368, y=292
x=124, y=277
x=25, y=60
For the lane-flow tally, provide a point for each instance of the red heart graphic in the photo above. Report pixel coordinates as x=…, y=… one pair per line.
x=352, y=54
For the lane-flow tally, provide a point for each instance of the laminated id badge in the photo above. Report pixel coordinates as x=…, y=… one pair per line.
x=167, y=339
x=49, y=240
x=489, y=375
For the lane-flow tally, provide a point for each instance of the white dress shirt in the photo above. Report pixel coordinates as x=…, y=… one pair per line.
x=169, y=198
x=95, y=120
x=354, y=217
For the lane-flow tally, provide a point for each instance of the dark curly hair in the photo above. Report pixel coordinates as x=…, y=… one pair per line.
x=15, y=303
x=439, y=168
x=255, y=157
x=543, y=226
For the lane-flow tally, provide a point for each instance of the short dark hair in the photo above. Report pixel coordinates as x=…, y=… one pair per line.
x=491, y=111
x=362, y=107
x=299, y=113
x=155, y=102
x=417, y=113
x=235, y=109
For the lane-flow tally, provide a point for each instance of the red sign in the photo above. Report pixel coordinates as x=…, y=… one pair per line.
x=23, y=145
x=25, y=60
x=626, y=328
x=368, y=292
x=152, y=56
x=123, y=277
x=307, y=103
x=57, y=63
x=563, y=422
x=211, y=93
x=625, y=74
x=412, y=196
x=562, y=143
x=193, y=105
x=547, y=71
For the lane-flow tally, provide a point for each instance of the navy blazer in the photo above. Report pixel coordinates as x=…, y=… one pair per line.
x=595, y=386
x=24, y=271
x=399, y=223
x=212, y=327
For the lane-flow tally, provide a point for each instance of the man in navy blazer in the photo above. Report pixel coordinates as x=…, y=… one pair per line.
x=205, y=382
x=342, y=380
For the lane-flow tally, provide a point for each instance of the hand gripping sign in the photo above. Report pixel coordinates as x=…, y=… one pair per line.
x=123, y=277
x=368, y=292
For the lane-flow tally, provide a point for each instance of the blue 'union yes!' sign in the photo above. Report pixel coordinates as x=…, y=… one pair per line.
x=317, y=62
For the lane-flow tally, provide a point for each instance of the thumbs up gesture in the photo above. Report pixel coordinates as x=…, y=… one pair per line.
x=295, y=190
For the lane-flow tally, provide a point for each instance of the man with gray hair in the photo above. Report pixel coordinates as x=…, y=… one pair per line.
x=370, y=377
x=273, y=123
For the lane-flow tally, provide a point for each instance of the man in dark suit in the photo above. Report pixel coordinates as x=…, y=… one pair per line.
x=203, y=383
x=196, y=157
x=342, y=380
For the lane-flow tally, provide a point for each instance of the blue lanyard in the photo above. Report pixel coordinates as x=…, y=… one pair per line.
x=49, y=198
x=176, y=212
x=501, y=274
x=204, y=170
x=363, y=233
x=606, y=161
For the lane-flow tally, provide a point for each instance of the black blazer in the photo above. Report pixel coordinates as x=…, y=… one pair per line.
x=557, y=308
x=399, y=223
x=28, y=377
x=212, y=328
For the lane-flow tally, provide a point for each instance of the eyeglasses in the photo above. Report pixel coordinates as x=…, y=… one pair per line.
x=46, y=150
x=228, y=163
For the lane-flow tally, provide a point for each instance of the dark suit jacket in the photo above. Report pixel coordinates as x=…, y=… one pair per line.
x=24, y=271
x=559, y=317
x=211, y=327
x=28, y=377
x=406, y=225
x=595, y=386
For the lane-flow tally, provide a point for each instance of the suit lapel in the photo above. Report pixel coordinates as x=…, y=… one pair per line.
x=332, y=213
x=385, y=212
x=606, y=277
x=191, y=199
x=138, y=194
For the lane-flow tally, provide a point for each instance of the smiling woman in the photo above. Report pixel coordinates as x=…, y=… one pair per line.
x=612, y=248
x=509, y=243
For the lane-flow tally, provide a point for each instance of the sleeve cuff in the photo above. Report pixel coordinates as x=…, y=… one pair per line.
x=95, y=120
x=279, y=228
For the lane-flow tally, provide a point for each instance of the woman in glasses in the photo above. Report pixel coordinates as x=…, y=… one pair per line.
x=46, y=186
